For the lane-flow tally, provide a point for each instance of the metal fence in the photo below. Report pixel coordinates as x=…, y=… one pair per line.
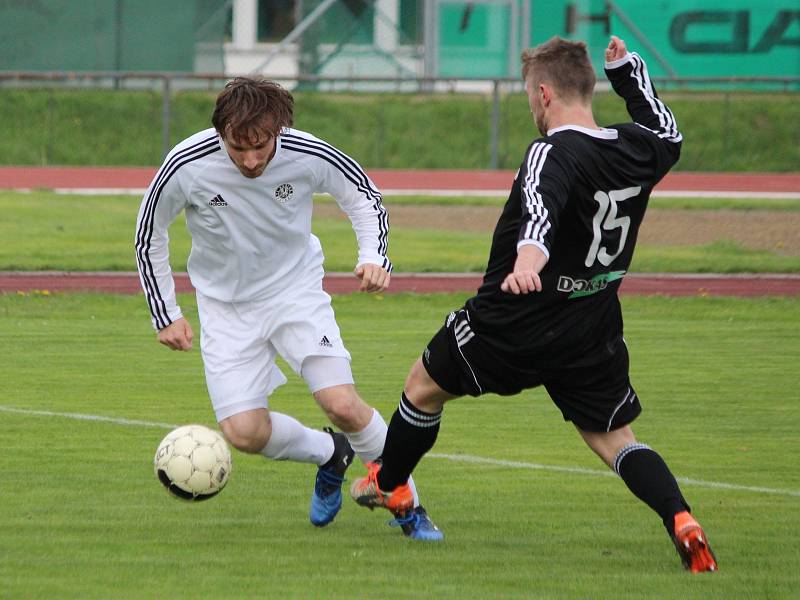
x=166, y=83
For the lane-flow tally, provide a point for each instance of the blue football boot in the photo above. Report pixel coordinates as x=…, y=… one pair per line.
x=327, y=498
x=417, y=525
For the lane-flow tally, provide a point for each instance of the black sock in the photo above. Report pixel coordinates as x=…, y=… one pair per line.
x=649, y=478
x=411, y=434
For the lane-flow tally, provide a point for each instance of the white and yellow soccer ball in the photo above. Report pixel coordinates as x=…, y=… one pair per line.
x=193, y=462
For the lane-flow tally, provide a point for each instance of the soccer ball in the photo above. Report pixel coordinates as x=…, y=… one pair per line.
x=193, y=462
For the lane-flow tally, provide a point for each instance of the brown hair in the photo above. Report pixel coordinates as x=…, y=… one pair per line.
x=564, y=64
x=249, y=107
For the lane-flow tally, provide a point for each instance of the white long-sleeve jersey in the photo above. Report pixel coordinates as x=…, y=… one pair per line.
x=251, y=238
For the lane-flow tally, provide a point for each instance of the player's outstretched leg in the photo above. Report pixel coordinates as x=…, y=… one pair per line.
x=692, y=544
x=327, y=497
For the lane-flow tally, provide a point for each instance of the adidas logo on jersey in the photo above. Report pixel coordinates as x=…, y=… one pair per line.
x=325, y=342
x=217, y=200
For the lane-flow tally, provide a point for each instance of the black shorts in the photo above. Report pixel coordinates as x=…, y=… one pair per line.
x=595, y=397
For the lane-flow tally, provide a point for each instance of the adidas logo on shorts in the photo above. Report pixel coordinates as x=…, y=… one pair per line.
x=325, y=342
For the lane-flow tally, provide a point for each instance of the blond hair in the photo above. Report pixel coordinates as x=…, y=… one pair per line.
x=564, y=64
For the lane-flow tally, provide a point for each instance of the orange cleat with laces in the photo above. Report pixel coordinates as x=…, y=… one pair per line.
x=692, y=545
x=366, y=492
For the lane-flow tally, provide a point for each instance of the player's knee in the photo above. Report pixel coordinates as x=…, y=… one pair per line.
x=250, y=444
x=344, y=414
x=246, y=435
x=422, y=391
x=345, y=408
x=417, y=380
x=607, y=444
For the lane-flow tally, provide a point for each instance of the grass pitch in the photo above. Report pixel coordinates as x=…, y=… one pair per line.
x=527, y=510
x=95, y=233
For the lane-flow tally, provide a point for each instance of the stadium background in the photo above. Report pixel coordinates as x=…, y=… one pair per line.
x=87, y=393
x=401, y=38
x=733, y=71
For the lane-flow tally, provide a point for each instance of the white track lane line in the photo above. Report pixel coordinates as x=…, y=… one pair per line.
x=453, y=457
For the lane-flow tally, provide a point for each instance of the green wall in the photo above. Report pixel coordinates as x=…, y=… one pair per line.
x=132, y=35
x=695, y=38
x=720, y=38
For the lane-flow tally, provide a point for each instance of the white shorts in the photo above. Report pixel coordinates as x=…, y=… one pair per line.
x=239, y=342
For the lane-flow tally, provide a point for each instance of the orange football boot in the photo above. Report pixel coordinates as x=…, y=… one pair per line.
x=366, y=492
x=692, y=545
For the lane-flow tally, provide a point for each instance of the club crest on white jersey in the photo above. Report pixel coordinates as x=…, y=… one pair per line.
x=283, y=192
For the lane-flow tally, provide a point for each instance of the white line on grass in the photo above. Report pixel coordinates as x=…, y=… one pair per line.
x=454, y=457
x=84, y=417
x=534, y=466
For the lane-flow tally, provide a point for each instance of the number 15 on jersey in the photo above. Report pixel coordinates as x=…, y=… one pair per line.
x=606, y=220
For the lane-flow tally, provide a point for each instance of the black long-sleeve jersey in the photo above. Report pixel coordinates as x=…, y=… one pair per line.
x=580, y=196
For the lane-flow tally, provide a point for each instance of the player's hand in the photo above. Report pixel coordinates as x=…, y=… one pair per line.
x=373, y=278
x=178, y=335
x=616, y=49
x=521, y=282
x=524, y=279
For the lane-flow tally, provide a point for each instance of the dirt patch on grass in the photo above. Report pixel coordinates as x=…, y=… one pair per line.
x=776, y=231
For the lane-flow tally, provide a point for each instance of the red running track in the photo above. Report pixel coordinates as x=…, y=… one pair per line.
x=139, y=177
x=344, y=283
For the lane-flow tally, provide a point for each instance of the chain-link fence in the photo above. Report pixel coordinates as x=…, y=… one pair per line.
x=167, y=60
x=134, y=118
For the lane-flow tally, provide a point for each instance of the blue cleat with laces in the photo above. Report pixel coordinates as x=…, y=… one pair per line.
x=417, y=525
x=327, y=498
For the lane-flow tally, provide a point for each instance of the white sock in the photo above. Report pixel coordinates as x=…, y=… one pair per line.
x=291, y=440
x=368, y=444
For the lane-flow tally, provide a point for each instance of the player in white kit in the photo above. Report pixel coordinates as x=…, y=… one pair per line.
x=246, y=188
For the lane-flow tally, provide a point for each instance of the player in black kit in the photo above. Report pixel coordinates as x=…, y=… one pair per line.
x=547, y=312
